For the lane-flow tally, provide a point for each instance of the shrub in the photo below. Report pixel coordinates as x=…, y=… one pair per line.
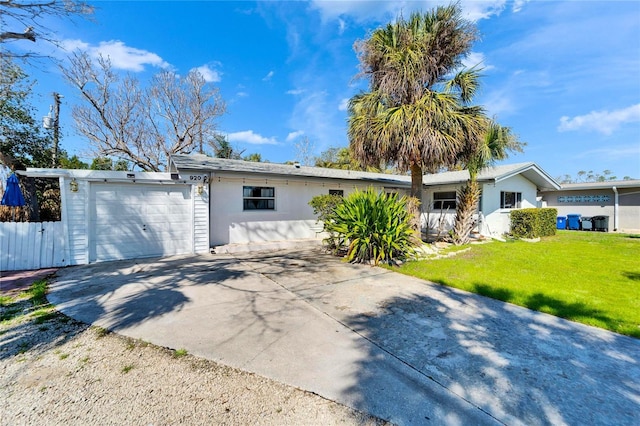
x=547, y=224
x=324, y=207
x=532, y=223
x=374, y=226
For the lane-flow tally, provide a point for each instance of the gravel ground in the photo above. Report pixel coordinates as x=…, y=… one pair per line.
x=54, y=370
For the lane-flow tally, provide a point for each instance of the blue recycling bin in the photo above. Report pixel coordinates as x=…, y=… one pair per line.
x=573, y=221
x=561, y=222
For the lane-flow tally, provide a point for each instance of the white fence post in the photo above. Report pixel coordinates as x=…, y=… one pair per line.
x=31, y=245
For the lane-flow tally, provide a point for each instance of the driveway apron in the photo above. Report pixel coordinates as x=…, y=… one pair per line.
x=402, y=349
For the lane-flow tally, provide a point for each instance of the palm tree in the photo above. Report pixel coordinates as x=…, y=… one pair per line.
x=495, y=144
x=416, y=115
x=223, y=149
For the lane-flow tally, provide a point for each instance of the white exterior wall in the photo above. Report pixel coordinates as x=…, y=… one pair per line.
x=76, y=216
x=75, y=219
x=436, y=220
x=292, y=218
x=495, y=221
x=200, y=220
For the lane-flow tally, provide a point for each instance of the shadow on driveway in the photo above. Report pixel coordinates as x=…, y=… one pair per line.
x=118, y=295
x=393, y=346
x=518, y=366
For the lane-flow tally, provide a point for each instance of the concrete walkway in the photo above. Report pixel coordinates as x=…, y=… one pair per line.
x=399, y=348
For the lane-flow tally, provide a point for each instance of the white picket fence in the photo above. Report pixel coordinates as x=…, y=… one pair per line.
x=31, y=245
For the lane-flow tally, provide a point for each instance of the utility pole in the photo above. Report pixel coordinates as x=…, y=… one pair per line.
x=56, y=127
x=50, y=122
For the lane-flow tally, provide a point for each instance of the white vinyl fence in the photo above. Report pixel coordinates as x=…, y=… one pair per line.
x=31, y=245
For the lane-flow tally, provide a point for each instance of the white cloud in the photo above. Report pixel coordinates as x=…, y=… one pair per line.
x=365, y=11
x=476, y=59
x=612, y=153
x=518, y=5
x=295, y=92
x=294, y=135
x=121, y=56
x=209, y=75
x=499, y=104
x=477, y=10
x=268, y=76
x=71, y=45
x=344, y=104
x=128, y=58
x=316, y=113
x=605, y=122
x=342, y=25
x=242, y=94
x=248, y=136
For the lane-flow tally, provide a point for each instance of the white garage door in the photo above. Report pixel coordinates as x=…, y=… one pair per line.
x=129, y=221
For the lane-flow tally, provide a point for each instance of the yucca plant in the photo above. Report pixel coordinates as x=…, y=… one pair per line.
x=375, y=227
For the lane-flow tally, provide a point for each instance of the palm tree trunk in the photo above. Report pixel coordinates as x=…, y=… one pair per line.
x=416, y=192
x=468, y=197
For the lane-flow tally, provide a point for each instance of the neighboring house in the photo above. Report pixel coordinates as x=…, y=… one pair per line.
x=504, y=188
x=206, y=202
x=618, y=200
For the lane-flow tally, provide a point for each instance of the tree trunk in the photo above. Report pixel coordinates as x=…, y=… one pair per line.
x=416, y=192
x=468, y=197
x=31, y=199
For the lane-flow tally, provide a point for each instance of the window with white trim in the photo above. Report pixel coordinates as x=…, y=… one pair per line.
x=444, y=200
x=258, y=198
x=510, y=200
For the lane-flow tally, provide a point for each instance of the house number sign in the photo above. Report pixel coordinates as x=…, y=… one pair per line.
x=198, y=179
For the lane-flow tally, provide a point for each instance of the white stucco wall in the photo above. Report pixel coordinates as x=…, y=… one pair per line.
x=492, y=220
x=495, y=221
x=292, y=218
x=436, y=220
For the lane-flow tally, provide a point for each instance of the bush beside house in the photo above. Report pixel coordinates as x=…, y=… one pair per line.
x=370, y=226
x=533, y=223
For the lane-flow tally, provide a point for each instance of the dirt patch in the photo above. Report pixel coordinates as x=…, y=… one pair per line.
x=60, y=371
x=13, y=282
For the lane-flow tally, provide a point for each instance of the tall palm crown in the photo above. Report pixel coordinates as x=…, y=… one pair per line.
x=417, y=113
x=495, y=145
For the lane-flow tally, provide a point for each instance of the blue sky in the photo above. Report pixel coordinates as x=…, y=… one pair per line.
x=564, y=75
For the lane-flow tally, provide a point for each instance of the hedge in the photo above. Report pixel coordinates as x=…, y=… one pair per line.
x=532, y=223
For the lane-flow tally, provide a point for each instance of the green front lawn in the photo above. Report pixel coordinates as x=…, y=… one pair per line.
x=588, y=277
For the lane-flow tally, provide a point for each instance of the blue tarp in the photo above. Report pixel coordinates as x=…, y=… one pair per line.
x=12, y=194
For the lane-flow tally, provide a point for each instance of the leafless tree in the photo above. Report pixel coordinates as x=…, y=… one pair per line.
x=145, y=126
x=22, y=20
x=304, y=148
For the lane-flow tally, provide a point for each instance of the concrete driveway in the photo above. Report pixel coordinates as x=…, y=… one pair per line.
x=399, y=348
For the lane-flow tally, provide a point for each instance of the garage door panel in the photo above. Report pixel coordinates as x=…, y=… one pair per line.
x=138, y=220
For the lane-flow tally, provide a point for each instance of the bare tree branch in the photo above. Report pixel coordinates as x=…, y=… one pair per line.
x=15, y=15
x=28, y=34
x=144, y=126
